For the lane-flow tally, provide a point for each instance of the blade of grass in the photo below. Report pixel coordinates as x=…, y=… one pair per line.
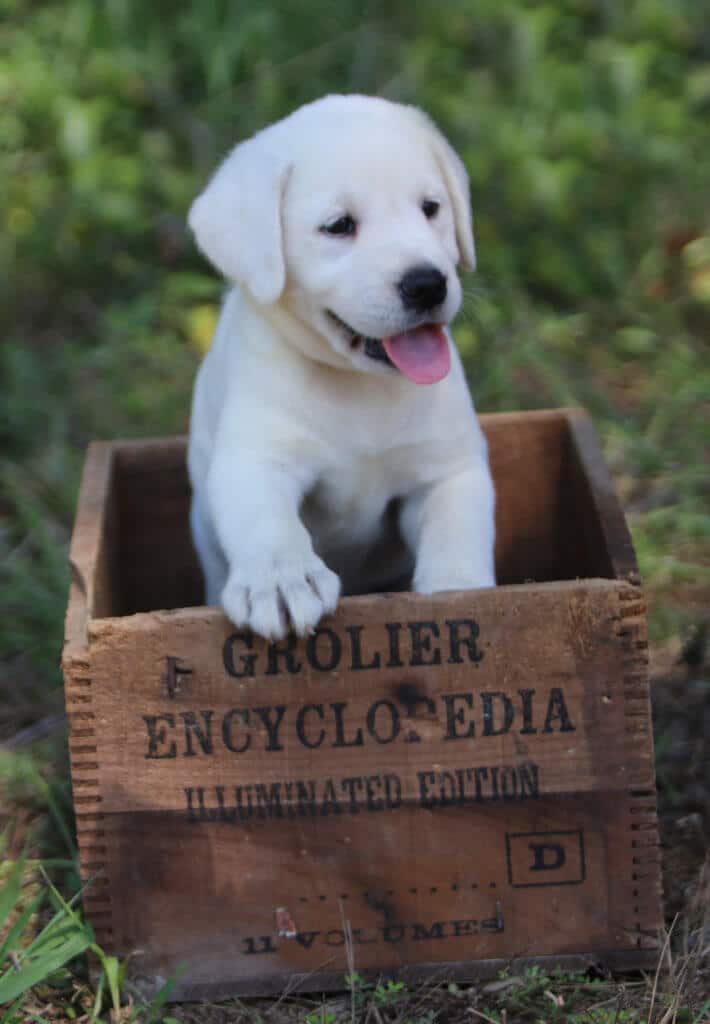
x=56, y=812
x=70, y=945
x=98, y=998
x=665, y=951
x=112, y=972
x=704, y=1015
x=159, y=999
x=18, y=927
x=62, y=939
x=11, y=1015
x=10, y=892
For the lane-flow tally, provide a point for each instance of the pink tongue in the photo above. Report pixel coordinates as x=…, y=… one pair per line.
x=421, y=354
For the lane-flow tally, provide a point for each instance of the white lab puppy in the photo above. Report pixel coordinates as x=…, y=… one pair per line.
x=333, y=441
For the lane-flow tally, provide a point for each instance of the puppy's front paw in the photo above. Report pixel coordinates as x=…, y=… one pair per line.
x=286, y=596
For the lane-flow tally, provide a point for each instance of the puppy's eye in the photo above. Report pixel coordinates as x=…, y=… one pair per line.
x=430, y=208
x=343, y=226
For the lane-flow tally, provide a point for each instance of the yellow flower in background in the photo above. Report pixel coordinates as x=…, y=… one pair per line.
x=699, y=284
x=201, y=323
x=19, y=221
x=466, y=339
x=696, y=255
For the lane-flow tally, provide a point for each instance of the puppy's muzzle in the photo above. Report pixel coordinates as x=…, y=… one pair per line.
x=422, y=288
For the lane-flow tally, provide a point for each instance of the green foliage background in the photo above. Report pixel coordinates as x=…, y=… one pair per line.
x=585, y=126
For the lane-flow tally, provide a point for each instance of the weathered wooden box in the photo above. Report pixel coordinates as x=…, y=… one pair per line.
x=439, y=784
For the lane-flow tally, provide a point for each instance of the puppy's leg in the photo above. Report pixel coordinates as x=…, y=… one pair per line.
x=212, y=560
x=276, y=581
x=450, y=527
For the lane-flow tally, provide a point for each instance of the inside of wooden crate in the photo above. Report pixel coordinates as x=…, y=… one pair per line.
x=548, y=525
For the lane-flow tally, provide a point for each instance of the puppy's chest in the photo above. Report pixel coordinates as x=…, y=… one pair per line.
x=350, y=502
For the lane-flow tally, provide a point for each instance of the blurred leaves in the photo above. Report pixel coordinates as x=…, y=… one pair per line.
x=586, y=133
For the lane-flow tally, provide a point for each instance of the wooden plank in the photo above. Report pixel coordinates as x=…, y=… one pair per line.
x=527, y=458
x=406, y=652
x=157, y=566
x=435, y=887
x=603, y=518
x=88, y=555
x=417, y=764
x=412, y=974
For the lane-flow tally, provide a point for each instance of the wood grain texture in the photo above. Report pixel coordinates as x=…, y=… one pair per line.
x=576, y=728
x=458, y=780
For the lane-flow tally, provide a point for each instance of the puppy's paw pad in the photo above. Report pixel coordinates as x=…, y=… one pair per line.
x=326, y=586
x=282, y=599
x=236, y=602
x=309, y=595
x=268, y=615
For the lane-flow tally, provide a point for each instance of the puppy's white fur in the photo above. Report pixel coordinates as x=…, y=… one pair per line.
x=314, y=466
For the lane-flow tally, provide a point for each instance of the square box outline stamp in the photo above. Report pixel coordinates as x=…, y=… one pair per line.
x=557, y=832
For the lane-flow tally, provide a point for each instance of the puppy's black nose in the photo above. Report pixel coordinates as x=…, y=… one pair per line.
x=422, y=288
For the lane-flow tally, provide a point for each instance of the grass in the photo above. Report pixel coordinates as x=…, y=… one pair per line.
x=585, y=130
x=533, y=995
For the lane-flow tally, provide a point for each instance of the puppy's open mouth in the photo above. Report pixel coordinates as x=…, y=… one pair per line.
x=421, y=354
x=372, y=347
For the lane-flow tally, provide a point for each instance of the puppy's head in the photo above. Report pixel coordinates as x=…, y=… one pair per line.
x=352, y=214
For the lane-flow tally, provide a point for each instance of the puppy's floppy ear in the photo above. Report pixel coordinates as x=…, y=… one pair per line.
x=237, y=219
x=456, y=179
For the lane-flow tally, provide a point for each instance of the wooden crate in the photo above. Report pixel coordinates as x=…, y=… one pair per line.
x=445, y=784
